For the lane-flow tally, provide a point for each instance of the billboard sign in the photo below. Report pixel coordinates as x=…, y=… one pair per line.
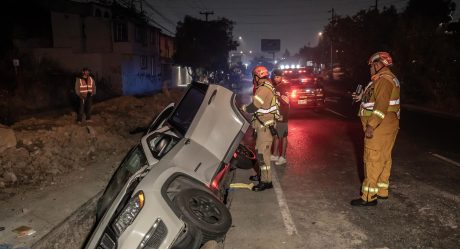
x=270, y=45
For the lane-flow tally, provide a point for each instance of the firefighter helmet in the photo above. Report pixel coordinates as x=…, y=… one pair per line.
x=260, y=71
x=383, y=57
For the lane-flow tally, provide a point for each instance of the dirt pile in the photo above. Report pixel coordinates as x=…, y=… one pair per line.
x=48, y=147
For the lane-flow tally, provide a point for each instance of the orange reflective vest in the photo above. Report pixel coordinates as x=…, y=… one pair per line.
x=86, y=86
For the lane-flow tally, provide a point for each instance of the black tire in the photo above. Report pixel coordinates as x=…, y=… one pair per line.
x=191, y=238
x=204, y=211
x=245, y=158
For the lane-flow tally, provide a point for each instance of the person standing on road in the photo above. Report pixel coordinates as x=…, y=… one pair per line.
x=265, y=108
x=85, y=88
x=379, y=112
x=282, y=123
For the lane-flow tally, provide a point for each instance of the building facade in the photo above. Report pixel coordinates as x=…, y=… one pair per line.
x=119, y=46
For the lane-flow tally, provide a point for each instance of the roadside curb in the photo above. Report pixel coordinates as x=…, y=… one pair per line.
x=72, y=231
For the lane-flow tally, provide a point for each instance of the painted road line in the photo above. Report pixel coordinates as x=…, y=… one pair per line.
x=287, y=218
x=336, y=113
x=446, y=159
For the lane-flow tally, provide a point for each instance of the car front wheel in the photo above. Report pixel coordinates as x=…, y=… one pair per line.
x=204, y=211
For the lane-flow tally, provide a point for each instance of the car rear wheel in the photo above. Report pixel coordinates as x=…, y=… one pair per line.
x=204, y=211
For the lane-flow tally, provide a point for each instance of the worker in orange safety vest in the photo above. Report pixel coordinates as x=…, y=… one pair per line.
x=85, y=88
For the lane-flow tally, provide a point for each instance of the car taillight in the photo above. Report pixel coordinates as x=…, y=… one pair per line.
x=294, y=94
x=284, y=81
x=219, y=176
x=305, y=80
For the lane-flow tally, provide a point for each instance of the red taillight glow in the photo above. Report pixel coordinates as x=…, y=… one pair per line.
x=305, y=80
x=294, y=94
x=284, y=81
x=219, y=176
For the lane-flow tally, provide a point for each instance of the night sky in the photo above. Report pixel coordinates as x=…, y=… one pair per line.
x=295, y=22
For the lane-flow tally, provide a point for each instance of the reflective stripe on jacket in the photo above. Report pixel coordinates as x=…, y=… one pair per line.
x=266, y=102
x=385, y=87
x=86, y=86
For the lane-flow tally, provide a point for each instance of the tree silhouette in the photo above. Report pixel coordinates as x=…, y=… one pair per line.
x=423, y=40
x=204, y=44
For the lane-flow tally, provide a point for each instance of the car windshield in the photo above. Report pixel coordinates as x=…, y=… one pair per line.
x=133, y=161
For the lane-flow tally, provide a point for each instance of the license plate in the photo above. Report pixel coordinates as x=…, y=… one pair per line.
x=302, y=102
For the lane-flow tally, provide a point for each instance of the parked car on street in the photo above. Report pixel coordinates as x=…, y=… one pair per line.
x=306, y=90
x=170, y=190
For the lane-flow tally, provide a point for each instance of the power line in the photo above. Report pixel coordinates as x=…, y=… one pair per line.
x=160, y=14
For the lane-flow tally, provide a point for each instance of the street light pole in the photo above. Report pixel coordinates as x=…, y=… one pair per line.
x=330, y=35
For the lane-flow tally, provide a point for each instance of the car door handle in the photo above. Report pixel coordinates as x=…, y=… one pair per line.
x=212, y=97
x=197, y=167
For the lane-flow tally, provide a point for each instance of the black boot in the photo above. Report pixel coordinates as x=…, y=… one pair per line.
x=254, y=178
x=363, y=203
x=262, y=186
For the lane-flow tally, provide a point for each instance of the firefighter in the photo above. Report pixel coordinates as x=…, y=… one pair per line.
x=85, y=88
x=265, y=108
x=379, y=113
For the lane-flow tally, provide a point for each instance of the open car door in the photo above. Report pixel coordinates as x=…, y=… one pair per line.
x=160, y=119
x=218, y=125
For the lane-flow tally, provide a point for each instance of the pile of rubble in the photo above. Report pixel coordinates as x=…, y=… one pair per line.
x=41, y=149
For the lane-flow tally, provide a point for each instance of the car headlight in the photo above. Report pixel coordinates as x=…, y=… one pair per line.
x=129, y=213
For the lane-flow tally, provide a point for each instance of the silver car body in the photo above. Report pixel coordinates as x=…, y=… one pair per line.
x=210, y=141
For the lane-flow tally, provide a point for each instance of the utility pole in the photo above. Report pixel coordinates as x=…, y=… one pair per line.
x=207, y=13
x=332, y=23
x=376, y=4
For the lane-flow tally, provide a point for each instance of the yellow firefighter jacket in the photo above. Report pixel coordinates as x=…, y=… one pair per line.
x=381, y=96
x=266, y=103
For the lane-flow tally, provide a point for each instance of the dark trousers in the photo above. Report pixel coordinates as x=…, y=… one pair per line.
x=85, y=106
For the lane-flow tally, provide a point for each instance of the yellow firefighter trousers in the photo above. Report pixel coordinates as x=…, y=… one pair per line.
x=263, y=150
x=377, y=158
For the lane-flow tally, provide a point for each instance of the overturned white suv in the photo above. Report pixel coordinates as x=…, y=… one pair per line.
x=170, y=190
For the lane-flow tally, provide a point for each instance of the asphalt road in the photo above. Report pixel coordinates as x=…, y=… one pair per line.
x=324, y=172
